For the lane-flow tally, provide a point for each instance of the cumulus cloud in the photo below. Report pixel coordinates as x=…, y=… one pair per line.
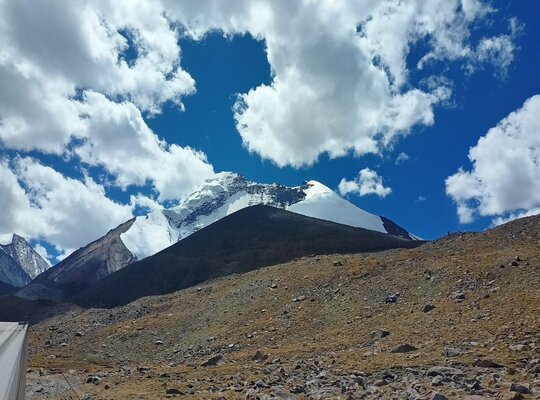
x=80, y=79
x=339, y=69
x=118, y=139
x=367, y=182
x=67, y=82
x=504, y=181
x=40, y=203
x=144, y=203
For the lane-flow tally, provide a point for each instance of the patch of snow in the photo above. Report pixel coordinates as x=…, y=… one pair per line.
x=148, y=235
x=323, y=203
x=415, y=237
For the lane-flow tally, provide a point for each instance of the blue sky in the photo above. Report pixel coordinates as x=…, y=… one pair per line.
x=207, y=61
x=223, y=67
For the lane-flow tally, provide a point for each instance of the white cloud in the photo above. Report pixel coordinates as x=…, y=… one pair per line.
x=504, y=181
x=339, y=73
x=512, y=216
x=64, y=75
x=85, y=45
x=340, y=84
x=118, y=139
x=368, y=182
x=420, y=199
x=144, y=203
x=401, y=158
x=334, y=89
x=38, y=202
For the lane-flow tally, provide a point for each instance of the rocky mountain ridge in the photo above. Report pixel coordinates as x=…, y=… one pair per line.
x=215, y=199
x=19, y=262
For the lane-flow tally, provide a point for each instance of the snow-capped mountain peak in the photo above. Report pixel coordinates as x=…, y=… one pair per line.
x=315, y=188
x=228, y=192
x=19, y=262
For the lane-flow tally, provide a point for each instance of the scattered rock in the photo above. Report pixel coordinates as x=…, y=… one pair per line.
x=391, y=298
x=96, y=380
x=437, y=380
x=404, y=348
x=297, y=389
x=518, y=347
x=428, y=307
x=457, y=296
x=473, y=384
x=451, y=351
x=259, y=356
x=173, y=391
x=214, y=360
x=379, y=334
x=519, y=388
x=337, y=263
x=444, y=371
x=438, y=396
x=485, y=363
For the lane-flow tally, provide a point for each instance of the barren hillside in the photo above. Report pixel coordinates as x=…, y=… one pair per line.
x=456, y=318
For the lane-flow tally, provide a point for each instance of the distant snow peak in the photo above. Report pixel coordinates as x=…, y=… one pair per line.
x=228, y=192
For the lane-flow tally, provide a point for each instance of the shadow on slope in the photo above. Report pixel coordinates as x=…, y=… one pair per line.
x=251, y=238
x=6, y=289
x=13, y=308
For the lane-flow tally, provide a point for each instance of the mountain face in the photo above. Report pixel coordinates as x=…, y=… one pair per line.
x=230, y=192
x=248, y=239
x=87, y=265
x=19, y=262
x=216, y=198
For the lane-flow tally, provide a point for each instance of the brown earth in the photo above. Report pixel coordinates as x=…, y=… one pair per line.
x=323, y=330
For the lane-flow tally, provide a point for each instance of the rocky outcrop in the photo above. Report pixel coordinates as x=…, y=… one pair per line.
x=89, y=264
